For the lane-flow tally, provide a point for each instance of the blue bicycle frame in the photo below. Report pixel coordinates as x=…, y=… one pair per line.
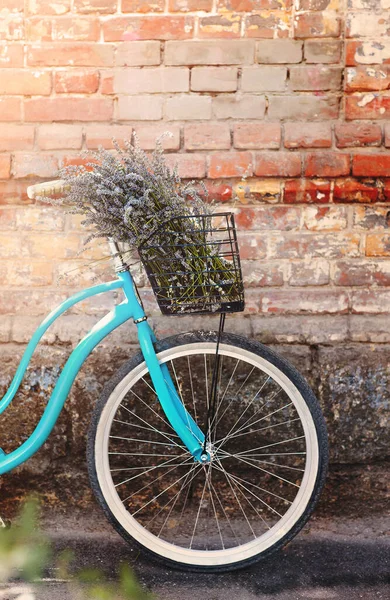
x=181, y=421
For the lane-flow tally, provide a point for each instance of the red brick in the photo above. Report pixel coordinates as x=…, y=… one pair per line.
x=148, y=28
x=10, y=109
x=13, y=192
x=107, y=82
x=267, y=25
x=387, y=135
x=371, y=165
x=11, y=56
x=27, y=83
x=190, y=5
x=252, y=247
x=39, y=29
x=95, y=6
x=220, y=26
x=53, y=137
x=135, y=6
x=252, y=5
x=324, y=218
x=190, y=166
x=68, y=54
x=367, y=53
x=316, y=24
x=305, y=302
x=304, y=191
x=220, y=192
x=327, y=164
x=13, y=5
x=361, y=273
x=386, y=190
x=357, y=134
x=34, y=165
x=378, y=244
x=283, y=246
x=371, y=301
x=367, y=106
x=76, y=81
x=207, y=136
x=68, y=109
x=47, y=7
x=352, y=48
x=12, y=28
x=355, y=190
x=277, y=164
x=367, y=77
x=5, y=166
x=262, y=275
x=307, y=135
x=257, y=135
x=76, y=29
x=16, y=137
x=283, y=218
x=230, y=164
x=102, y=135
x=79, y=161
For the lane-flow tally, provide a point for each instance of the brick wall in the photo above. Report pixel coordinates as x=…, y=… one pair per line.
x=292, y=97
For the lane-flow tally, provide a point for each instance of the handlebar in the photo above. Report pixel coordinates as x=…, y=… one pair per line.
x=49, y=188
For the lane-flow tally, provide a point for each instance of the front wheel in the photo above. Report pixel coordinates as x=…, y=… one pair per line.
x=268, y=449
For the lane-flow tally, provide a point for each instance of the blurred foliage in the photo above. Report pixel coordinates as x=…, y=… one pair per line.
x=25, y=554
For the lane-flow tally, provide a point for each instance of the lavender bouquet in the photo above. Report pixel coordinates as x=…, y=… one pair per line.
x=137, y=199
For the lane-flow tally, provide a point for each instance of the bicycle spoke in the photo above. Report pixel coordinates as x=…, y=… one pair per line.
x=264, y=470
x=198, y=513
x=235, y=435
x=163, y=464
x=300, y=437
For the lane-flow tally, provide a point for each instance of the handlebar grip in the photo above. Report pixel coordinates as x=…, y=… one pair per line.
x=48, y=188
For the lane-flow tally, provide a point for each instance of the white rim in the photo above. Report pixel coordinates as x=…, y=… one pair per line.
x=213, y=557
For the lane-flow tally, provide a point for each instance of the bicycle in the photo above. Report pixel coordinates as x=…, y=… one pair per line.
x=206, y=449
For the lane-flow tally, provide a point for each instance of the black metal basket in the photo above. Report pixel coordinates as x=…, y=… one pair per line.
x=193, y=265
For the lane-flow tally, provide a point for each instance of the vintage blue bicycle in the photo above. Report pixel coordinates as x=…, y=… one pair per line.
x=206, y=449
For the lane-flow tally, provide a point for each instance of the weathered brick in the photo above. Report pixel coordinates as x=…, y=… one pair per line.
x=190, y=5
x=355, y=190
x=257, y=135
x=367, y=106
x=11, y=55
x=368, y=25
x=307, y=5
x=138, y=54
x=330, y=245
x=322, y=51
x=305, y=191
x=10, y=246
x=68, y=109
x=210, y=52
x=316, y=24
x=151, y=80
x=10, y=109
x=147, y=135
x=252, y=5
x=370, y=301
x=76, y=81
x=16, y=137
x=260, y=79
x=190, y=166
x=142, y=108
x=230, y=164
x=31, y=273
x=378, y=244
x=13, y=192
x=239, y=107
x=34, y=165
x=324, y=218
x=303, y=108
x=306, y=78
x=268, y=24
x=40, y=245
x=359, y=273
x=5, y=166
x=71, y=54
x=300, y=329
x=279, y=51
x=367, y=52
x=284, y=246
x=367, y=78
x=179, y=108
x=207, y=136
x=117, y=29
x=307, y=135
x=40, y=219
x=221, y=192
x=282, y=218
x=370, y=217
x=76, y=29
x=46, y=7
x=214, y=79
x=23, y=82
x=227, y=25
x=277, y=164
x=262, y=275
x=303, y=302
x=258, y=190
x=95, y=6
x=103, y=135
x=357, y=134
x=39, y=29
x=375, y=165
x=7, y=217
x=134, y=6
x=252, y=247
x=387, y=135
x=327, y=164
x=12, y=28
x=315, y=272
x=52, y=137
x=369, y=328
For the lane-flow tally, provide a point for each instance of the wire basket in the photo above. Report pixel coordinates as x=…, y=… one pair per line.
x=193, y=265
